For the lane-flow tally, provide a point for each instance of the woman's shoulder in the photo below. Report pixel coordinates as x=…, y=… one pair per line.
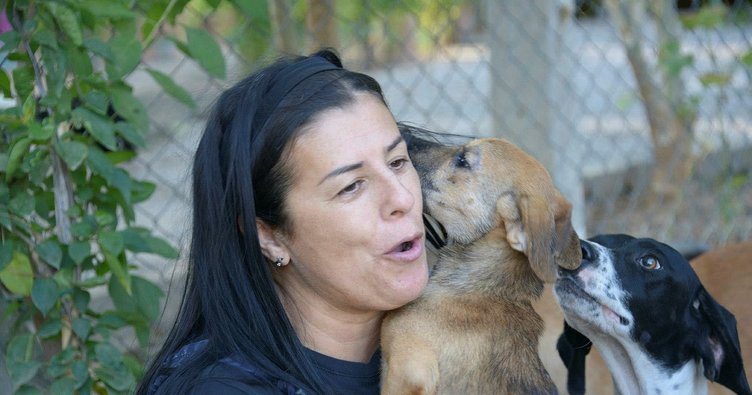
x=224, y=376
x=228, y=376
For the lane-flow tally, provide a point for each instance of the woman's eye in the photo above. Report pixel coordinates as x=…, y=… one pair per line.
x=649, y=262
x=461, y=161
x=350, y=189
x=398, y=164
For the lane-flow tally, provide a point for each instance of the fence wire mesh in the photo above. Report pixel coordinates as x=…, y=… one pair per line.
x=567, y=81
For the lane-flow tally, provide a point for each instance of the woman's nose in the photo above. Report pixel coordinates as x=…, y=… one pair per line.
x=399, y=198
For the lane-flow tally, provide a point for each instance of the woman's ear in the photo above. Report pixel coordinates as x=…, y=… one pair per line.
x=272, y=246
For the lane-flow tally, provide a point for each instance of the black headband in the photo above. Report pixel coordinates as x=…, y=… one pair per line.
x=288, y=78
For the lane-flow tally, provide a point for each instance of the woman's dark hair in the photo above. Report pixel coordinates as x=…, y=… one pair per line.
x=239, y=175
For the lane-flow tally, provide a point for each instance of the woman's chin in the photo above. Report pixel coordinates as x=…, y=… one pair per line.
x=410, y=283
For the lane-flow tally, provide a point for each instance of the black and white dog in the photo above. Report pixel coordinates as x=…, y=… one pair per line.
x=657, y=328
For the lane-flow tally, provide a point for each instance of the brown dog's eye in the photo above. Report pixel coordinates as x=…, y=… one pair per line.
x=649, y=262
x=461, y=161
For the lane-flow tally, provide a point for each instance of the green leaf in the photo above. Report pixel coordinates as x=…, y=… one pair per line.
x=111, y=242
x=81, y=299
x=99, y=164
x=111, y=320
x=63, y=386
x=120, y=297
x=105, y=218
x=122, y=182
x=147, y=297
x=10, y=39
x=18, y=276
x=127, y=54
x=98, y=102
x=206, y=52
x=142, y=190
x=130, y=108
x=19, y=149
x=67, y=21
x=22, y=204
x=6, y=253
x=119, y=379
x=44, y=294
x=22, y=372
x=50, y=251
x=4, y=83
x=119, y=271
x=93, y=282
x=108, y=355
x=99, y=48
x=79, y=61
x=708, y=16
x=171, y=88
x=39, y=133
x=105, y=9
x=717, y=79
x=28, y=390
x=73, y=153
x=129, y=133
x=55, y=64
x=20, y=348
x=59, y=362
x=746, y=59
x=80, y=372
x=81, y=327
x=29, y=109
x=79, y=250
x=82, y=229
x=50, y=328
x=139, y=240
x=99, y=127
x=45, y=37
x=23, y=80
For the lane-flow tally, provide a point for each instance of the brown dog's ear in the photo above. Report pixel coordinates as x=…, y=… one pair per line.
x=567, y=251
x=542, y=230
x=529, y=223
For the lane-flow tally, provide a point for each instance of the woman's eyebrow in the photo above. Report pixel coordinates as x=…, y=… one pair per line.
x=341, y=170
x=394, y=143
x=354, y=166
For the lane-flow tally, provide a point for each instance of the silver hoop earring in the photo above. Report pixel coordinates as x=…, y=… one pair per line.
x=280, y=260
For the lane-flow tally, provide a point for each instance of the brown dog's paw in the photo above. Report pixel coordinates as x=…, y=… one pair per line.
x=414, y=374
x=411, y=382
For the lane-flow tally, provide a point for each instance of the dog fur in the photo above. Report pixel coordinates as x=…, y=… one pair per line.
x=474, y=330
x=662, y=331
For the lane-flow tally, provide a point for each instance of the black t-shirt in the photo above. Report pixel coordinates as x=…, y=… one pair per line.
x=231, y=377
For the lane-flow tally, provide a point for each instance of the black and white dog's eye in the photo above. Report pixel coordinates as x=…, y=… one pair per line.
x=461, y=161
x=649, y=262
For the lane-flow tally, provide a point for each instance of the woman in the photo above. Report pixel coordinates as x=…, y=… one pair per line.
x=307, y=228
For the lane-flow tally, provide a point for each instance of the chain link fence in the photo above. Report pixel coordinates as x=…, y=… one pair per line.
x=605, y=94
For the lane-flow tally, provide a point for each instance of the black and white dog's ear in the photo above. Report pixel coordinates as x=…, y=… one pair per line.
x=719, y=347
x=573, y=347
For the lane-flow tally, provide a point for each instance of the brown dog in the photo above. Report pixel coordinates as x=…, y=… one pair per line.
x=474, y=330
x=726, y=273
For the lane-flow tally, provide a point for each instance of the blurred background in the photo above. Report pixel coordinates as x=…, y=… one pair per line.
x=641, y=110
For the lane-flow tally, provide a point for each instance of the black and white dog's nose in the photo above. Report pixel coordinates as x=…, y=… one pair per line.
x=588, y=254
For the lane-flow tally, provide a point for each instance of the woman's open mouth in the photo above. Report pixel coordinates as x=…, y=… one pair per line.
x=408, y=250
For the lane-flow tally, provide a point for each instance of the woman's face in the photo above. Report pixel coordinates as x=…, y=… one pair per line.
x=356, y=236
